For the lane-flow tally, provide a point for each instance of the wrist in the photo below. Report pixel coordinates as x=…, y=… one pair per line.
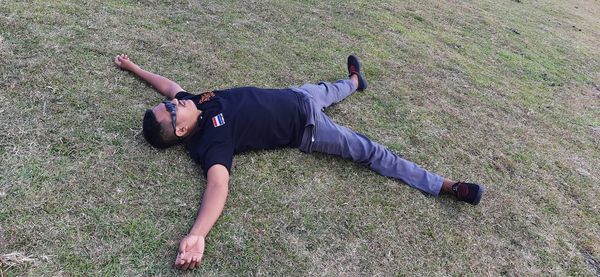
x=132, y=67
x=196, y=235
x=197, y=232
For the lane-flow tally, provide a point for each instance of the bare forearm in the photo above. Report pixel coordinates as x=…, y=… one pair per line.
x=212, y=205
x=213, y=201
x=163, y=85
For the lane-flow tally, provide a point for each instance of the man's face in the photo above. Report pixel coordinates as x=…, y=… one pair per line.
x=186, y=115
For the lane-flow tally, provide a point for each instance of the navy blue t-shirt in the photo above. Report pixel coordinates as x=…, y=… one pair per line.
x=241, y=119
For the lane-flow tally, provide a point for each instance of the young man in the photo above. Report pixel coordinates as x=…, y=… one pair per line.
x=218, y=124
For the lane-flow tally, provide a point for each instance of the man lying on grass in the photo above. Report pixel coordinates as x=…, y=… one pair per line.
x=215, y=125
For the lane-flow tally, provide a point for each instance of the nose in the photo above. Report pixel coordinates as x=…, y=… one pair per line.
x=175, y=103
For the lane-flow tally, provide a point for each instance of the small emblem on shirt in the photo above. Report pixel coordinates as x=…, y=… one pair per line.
x=218, y=120
x=206, y=96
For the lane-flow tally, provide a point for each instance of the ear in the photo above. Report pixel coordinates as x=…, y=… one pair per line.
x=181, y=131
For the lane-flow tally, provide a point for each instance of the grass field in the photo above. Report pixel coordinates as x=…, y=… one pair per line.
x=506, y=93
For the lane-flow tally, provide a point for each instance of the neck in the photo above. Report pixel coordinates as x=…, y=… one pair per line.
x=194, y=124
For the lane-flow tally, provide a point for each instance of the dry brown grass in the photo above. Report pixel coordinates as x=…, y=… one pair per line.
x=8, y=261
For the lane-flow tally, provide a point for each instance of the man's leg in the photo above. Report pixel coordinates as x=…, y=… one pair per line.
x=325, y=94
x=335, y=139
x=323, y=135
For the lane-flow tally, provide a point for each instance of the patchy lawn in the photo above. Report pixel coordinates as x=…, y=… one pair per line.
x=506, y=93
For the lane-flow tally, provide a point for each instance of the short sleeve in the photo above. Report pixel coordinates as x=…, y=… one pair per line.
x=217, y=154
x=182, y=95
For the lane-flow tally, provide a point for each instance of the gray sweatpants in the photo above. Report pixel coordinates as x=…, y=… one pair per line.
x=325, y=136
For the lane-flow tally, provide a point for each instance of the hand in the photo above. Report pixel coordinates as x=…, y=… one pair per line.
x=123, y=62
x=190, y=252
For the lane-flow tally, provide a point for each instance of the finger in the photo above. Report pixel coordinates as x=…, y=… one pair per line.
x=178, y=260
x=186, y=266
x=185, y=258
x=200, y=257
x=182, y=263
x=182, y=247
x=193, y=265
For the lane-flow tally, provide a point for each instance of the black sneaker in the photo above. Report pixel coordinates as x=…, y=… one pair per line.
x=467, y=192
x=354, y=68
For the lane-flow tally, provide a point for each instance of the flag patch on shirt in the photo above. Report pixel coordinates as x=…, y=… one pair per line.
x=218, y=120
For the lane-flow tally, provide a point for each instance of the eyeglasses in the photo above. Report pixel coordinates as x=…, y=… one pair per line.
x=173, y=111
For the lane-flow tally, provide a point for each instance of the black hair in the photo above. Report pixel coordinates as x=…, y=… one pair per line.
x=156, y=134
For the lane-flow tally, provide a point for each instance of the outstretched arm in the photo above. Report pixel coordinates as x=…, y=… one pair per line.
x=191, y=247
x=163, y=85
